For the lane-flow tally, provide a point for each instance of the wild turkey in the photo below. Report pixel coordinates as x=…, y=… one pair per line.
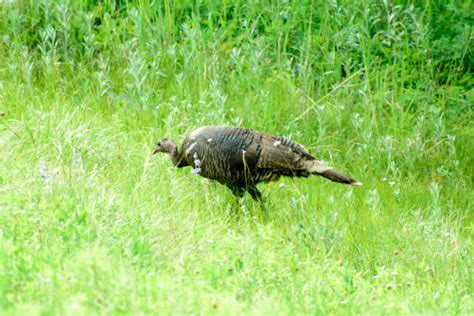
x=240, y=158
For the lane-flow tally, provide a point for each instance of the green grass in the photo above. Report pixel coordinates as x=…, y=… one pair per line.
x=92, y=223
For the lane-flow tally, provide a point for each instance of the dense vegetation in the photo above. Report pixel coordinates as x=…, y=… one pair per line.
x=91, y=222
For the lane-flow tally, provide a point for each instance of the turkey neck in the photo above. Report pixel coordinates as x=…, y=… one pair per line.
x=176, y=157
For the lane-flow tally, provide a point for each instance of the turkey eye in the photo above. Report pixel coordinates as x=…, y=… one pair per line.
x=159, y=144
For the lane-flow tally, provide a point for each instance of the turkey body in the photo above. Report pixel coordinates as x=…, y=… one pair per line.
x=240, y=158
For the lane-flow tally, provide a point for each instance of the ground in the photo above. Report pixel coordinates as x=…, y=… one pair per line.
x=92, y=223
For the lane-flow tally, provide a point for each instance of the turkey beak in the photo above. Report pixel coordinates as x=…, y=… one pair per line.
x=155, y=151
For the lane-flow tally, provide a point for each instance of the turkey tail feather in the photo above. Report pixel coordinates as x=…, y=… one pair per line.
x=337, y=177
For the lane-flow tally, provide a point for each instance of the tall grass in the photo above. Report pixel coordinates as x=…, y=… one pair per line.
x=91, y=222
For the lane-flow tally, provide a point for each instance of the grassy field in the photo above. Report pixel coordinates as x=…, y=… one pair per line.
x=92, y=223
